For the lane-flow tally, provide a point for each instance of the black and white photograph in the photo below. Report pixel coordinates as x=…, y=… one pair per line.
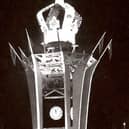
x=64, y=64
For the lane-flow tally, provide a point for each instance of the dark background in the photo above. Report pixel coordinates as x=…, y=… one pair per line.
x=109, y=105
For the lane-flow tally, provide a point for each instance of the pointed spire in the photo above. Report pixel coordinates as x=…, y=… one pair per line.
x=24, y=57
x=14, y=54
x=99, y=44
x=101, y=41
x=29, y=41
x=22, y=53
x=110, y=49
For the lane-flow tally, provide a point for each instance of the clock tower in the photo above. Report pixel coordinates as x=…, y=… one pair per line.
x=60, y=78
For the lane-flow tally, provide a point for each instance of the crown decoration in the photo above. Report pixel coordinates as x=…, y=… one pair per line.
x=61, y=23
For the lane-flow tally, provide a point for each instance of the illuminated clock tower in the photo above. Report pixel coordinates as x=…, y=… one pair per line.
x=60, y=78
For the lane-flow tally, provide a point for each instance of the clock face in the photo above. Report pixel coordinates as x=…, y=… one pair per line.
x=56, y=113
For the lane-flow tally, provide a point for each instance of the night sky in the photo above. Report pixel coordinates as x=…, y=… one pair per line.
x=109, y=105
